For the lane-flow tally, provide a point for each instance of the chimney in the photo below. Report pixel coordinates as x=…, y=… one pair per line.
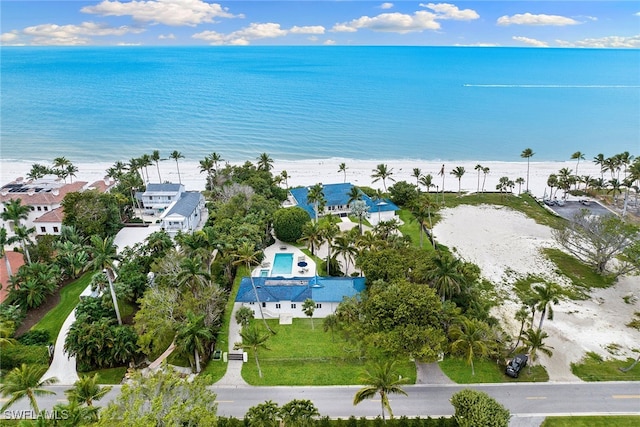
x=55, y=191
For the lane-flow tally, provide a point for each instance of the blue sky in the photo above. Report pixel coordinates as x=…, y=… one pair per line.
x=613, y=24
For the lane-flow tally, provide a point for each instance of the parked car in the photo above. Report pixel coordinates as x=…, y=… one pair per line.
x=516, y=365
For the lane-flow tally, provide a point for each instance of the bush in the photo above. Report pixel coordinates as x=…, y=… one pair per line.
x=478, y=409
x=288, y=223
x=402, y=193
x=35, y=337
x=15, y=355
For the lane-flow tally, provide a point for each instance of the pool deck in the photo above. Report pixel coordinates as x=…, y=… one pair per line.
x=298, y=255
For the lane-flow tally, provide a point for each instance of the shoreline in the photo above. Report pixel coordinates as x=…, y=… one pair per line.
x=312, y=171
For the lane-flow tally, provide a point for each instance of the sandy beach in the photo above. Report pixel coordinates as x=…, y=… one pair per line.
x=309, y=172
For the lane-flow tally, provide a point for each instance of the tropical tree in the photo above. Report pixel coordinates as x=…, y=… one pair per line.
x=533, y=341
x=243, y=316
x=343, y=245
x=359, y=208
x=476, y=408
x=547, y=295
x=577, y=156
x=315, y=196
x=253, y=338
x=383, y=380
x=427, y=181
x=382, y=172
x=478, y=168
x=519, y=181
x=155, y=157
x=330, y=323
x=193, y=337
x=207, y=166
x=458, y=172
x=4, y=240
x=470, y=338
x=328, y=231
x=311, y=236
x=176, y=155
x=23, y=235
x=298, y=413
x=247, y=255
x=285, y=176
x=265, y=162
x=263, y=415
x=104, y=254
x=308, y=307
x=342, y=167
x=445, y=276
x=193, y=274
x=25, y=381
x=485, y=172
x=14, y=212
x=38, y=171
x=417, y=173
x=527, y=153
x=600, y=161
x=521, y=315
x=87, y=390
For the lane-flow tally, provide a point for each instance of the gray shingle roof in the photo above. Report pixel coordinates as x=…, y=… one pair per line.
x=186, y=205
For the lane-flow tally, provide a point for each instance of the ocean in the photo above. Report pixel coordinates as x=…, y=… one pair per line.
x=105, y=104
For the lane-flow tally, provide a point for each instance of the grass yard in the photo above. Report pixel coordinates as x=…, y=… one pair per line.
x=108, y=375
x=592, y=367
x=300, y=355
x=69, y=298
x=592, y=421
x=488, y=371
x=411, y=228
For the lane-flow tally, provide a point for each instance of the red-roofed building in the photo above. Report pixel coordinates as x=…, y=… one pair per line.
x=16, y=260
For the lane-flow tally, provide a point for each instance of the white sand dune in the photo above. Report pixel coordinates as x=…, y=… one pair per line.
x=506, y=244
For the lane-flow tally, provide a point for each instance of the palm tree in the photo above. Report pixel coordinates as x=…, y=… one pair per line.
x=600, y=160
x=533, y=341
x=354, y=194
x=442, y=174
x=206, y=166
x=315, y=196
x=382, y=172
x=342, y=167
x=383, y=380
x=145, y=162
x=328, y=231
x=247, y=255
x=579, y=156
x=330, y=323
x=3, y=253
x=427, y=181
x=176, y=155
x=193, y=275
x=527, y=153
x=470, y=338
x=285, y=176
x=521, y=315
x=615, y=187
x=104, y=254
x=445, y=276
x=485, y=172
x=479, y=168
x=519, y=181
x=87, y=390
x=343, y=246
x=417, y=173
x=71, y=171
x=23, y=235
x=193, y=337
x=254, y=339
x=25, y=381
x=311, y=235
x=14, y=212
x=420, y=213
x=38, y=171
x=308, y=307
x=546, y=295
x=155, y=157
x=265, y=162
x=458, y=172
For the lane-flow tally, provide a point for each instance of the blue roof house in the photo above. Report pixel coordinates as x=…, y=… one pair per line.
x=282, y=298
x=337, y=197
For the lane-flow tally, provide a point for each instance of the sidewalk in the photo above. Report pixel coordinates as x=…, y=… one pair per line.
x=63, y=367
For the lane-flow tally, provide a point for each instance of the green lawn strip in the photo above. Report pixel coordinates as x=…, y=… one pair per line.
x=411, y=228
x=69, y=299
x=216, y=369
x=592, y=421
x=584, y=278
x=300, y=355
x=488, y=371
x=592, y=367
x=107, y=375
x=321, y=266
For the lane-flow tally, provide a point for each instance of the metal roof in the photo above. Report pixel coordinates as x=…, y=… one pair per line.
x=186, y=205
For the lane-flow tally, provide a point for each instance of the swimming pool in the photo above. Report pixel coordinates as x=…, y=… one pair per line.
x=282, y=264
x=264, y=272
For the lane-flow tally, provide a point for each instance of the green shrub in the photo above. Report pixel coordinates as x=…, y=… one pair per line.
x=288, y=223
x=15, y=355
x=35, y=337
x=478, y=409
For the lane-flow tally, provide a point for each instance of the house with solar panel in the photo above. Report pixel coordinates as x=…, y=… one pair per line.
x=337, y=197
x=282, y=298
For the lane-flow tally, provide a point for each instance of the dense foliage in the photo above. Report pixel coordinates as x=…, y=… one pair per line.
x=478, y=409
x=288, y=223
x=92, y=213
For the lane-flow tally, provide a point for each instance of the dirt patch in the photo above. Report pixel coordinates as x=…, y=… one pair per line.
x=34, y=315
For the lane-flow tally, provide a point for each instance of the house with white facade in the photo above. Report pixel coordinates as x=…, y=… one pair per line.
x=184, y=214
x=158, y=197
x=283, y=297
x=337, y=203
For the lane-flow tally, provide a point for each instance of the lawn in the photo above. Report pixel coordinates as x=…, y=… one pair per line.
x=107, y=375
x=592, y=421
x=302, y=355
x=592, y=367
x=411, y=228
x=488, y=371
x=69, y=298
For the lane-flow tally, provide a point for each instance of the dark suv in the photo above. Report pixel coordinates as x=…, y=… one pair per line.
x=516, y=365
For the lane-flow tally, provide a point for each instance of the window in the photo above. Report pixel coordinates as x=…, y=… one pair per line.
x=251, y=303
x=46, y=208
x=39, y=208
x=264, y=304
x=150, y=197
x=277, y=305
x=43, y=229
x=55, y=229
x=293, y=306
x=318, y=305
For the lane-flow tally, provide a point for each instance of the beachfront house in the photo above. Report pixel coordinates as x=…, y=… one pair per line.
x=183, y=214
x=158, y=197
x=282, y=298
x=44, y=197
x=337, y=203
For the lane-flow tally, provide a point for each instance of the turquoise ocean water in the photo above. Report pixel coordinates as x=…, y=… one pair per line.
x=115, y=103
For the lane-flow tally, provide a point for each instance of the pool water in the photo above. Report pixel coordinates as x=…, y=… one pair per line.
x=282, y=264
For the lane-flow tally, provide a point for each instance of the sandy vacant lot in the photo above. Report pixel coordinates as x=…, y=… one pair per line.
x=506, y=245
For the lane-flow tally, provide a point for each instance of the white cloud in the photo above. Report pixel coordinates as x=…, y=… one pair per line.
x=53, y=34
x=530, y=19
x=255, y=31
x=9, y=37
x=129, y=44
x=450, y=11
x=168, y=12
x=392, y=23
x=329, y=42
x=169, y=36
x=605, y=42
x=311, y=29
x=386, y=6
x=530, y=41
x=637, y=14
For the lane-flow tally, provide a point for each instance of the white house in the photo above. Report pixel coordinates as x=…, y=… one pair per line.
x=283, y=297
x=184, y=214
x=158, y=197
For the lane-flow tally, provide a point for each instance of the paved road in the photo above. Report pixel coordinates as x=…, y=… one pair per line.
x=523, y=400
